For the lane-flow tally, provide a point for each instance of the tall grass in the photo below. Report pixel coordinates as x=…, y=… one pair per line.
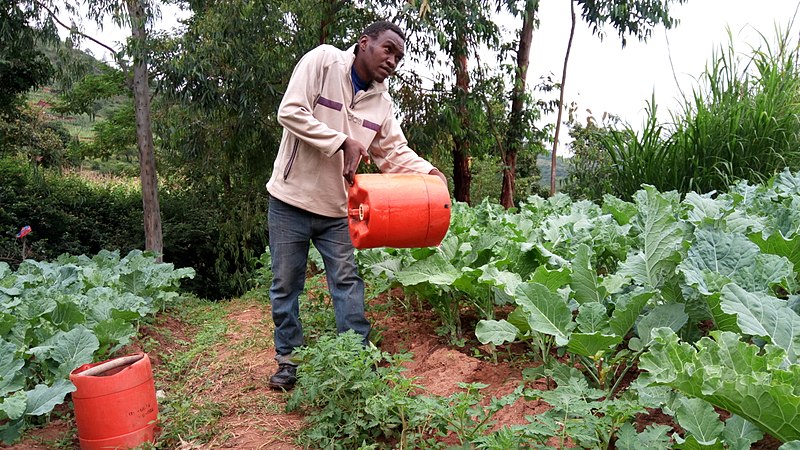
x=741, y=122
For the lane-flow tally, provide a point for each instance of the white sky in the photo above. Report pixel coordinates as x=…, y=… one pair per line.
x=602, y=76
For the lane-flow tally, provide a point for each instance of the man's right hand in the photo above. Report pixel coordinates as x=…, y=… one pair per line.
x=353, y=153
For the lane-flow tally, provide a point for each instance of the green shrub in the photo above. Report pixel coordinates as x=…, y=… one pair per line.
x=345, y=398
x=66, y=214
x=589, y=169
x=71, y=215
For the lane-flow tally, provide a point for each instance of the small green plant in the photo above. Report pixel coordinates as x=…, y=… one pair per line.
x=352, y=395
x=581, y=417
x=316, y=309
x=342, y=387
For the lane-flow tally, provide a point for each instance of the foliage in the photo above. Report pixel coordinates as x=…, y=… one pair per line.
x=586, y=418
x=59, y=315
x=595, y=281
x=71, y=215
x=67, y=215
x=594, y=335
x=85, y=96
x=22, y=66
x=739, y=377
x=744, y=124
x=31, y=134
x=353, y=396
x=346, y=395
x=115, y=136
x=628, y=17
x=589, y=168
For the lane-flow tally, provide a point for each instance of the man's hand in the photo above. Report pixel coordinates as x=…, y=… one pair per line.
x=439, y=174
x=353, y=153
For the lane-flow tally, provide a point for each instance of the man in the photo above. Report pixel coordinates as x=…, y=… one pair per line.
x=336, y=111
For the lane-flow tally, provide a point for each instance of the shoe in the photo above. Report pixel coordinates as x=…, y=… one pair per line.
x=284, y=378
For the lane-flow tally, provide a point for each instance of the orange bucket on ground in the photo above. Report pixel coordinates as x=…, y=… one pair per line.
x=115, y=403
x=398, y=210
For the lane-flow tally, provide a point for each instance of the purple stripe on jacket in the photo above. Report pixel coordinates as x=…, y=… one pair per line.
x=329, y=103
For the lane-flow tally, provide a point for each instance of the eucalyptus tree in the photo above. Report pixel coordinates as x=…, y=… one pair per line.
x=457, y=29
x=521, y=130
x=136, y=15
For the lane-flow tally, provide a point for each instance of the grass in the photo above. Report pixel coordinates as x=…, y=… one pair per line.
x=741, y=122
x=184, y=414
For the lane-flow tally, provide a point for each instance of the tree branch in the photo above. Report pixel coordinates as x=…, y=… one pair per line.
x=74, y=30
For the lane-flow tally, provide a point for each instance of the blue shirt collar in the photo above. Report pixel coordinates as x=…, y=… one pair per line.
x=358, y=83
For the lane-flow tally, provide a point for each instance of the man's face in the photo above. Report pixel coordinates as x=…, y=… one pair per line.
x=378, y=57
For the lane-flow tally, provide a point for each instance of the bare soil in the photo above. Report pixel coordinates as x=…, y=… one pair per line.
x=252, y=415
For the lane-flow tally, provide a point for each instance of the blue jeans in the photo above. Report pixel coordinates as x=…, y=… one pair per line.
x=290, y=230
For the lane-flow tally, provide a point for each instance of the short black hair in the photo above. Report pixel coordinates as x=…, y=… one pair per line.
x=376, y=28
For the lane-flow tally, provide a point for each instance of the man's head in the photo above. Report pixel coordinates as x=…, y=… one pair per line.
x=379, y=50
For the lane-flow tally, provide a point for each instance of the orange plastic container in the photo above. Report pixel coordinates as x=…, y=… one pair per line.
x=398, y=210
x=115, y=403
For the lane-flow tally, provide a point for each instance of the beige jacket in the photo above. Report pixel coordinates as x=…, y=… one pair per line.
x=317, y=113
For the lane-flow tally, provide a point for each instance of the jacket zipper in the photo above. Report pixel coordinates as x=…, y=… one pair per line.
x=291, y=160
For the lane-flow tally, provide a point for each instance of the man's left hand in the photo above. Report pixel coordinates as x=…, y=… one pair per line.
x=439, y=174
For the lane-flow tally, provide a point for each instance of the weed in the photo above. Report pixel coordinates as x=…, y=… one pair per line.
x=316, y=309
x=343, y=391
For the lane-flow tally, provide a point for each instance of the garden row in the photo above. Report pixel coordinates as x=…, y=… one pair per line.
x=56, y=316
x=698, y=296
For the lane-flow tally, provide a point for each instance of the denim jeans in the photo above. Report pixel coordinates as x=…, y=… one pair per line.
x=290, y=231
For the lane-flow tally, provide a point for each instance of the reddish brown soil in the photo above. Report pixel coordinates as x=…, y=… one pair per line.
x=253, y=416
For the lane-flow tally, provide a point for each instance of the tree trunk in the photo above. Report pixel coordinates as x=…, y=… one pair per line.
x=462, y=178
x=514, y=133
x=553, y=159
x=153, y=239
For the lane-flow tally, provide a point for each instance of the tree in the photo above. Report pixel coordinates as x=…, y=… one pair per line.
x=153, y=237
x=589, y=175
x=516, y=118
x=84, y=96
x=457, y=29
x=136, y=14
x=22, y=66
x=553, y=155
x=628, y=17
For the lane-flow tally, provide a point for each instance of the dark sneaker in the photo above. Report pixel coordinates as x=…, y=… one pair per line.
x=284, y=378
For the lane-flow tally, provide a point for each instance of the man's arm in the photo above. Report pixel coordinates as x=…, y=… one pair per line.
x=297, y=107
x=391, y=152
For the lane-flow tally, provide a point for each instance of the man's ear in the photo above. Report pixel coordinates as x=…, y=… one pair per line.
x=362, y=42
